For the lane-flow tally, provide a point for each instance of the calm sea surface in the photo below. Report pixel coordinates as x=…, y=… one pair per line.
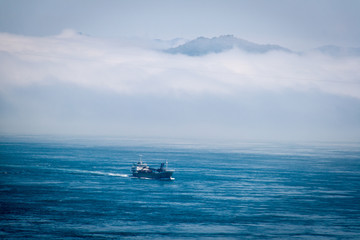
x=77, y=190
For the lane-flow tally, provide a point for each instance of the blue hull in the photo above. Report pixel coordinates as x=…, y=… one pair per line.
x=154, y=175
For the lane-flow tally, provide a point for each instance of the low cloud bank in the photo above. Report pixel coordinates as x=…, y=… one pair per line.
x=72, y=81
x=127, y=69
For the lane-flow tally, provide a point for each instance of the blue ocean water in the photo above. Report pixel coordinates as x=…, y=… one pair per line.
x=77, y=190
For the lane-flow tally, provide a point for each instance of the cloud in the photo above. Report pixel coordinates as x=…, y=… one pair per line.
x=76, y=83
x=115, y=66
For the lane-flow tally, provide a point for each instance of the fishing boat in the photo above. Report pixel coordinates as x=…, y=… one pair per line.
x=142, y=170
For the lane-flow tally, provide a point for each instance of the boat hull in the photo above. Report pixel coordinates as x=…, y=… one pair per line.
x=154, y=175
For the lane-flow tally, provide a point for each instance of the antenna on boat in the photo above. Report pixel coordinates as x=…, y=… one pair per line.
x=166, y=164
x=140, y=158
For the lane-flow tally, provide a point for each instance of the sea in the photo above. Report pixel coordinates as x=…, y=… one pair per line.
x=79, y=188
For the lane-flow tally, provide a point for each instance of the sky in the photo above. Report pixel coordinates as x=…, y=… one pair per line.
x=93, y=68
x=298, y=24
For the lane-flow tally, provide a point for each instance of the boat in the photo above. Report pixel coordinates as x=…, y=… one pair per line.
x=142, y=170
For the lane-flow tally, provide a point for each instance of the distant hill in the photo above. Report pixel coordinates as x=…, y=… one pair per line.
x=336, y=51
x=202, y=46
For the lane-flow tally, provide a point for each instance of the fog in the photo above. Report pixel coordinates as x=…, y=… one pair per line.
x=76, y=84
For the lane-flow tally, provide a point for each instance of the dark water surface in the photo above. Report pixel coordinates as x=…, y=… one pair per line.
x=52, y=190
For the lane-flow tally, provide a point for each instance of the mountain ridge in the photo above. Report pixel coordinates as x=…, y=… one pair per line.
x=202, y=46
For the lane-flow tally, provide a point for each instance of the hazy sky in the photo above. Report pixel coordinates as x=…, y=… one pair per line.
x=54, y=80
x=298, y=24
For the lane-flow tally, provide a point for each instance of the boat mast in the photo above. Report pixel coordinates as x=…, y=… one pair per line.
x=140, y=158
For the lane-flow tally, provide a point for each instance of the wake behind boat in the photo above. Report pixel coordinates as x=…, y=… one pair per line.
x=142, y=170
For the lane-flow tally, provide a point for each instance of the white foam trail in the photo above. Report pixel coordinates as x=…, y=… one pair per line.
x=71, y=170
x=103, y=173
x=117, y=175
x=95, y=172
